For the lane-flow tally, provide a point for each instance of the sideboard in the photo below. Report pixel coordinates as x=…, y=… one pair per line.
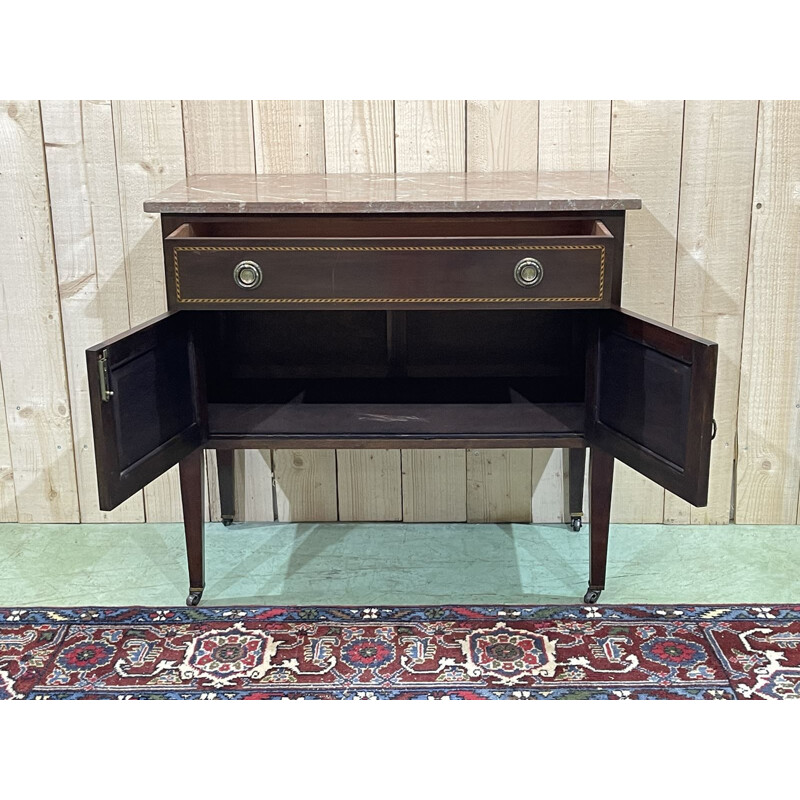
x=387, y=311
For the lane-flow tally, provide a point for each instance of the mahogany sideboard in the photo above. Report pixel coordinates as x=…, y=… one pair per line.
x=389, y=311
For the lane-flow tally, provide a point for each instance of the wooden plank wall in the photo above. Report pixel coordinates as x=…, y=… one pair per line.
x=715, y=250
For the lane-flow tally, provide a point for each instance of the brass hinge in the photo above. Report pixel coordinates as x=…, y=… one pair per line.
x=102, y=367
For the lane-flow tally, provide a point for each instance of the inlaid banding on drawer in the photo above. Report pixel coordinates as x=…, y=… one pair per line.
x=390, y=273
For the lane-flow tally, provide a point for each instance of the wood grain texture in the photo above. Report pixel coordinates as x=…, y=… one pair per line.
x=646, y=138
x=8, y=499
x=31, y=347
x=369, y=485
x=430, y=135
x=574, y=134
x=254, y=491
x=219, y=136
x=90, y=257
x=716, y=194
x=289, y=136
x=434, y=485
x=150, y=157
x=548, y=481
x=359, y=136
x=502, y=135
x=768, y=465
x=499, y=485
x=306, y=485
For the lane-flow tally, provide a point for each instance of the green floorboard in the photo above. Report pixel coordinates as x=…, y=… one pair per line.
x=377, y=564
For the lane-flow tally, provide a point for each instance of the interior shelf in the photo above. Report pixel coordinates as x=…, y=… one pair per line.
x=378, y=379
x=402, y=409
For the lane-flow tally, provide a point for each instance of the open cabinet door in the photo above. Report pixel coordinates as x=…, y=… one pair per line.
x=146, y=404
x=650, y=399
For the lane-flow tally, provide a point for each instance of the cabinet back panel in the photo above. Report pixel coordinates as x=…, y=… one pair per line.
x=258, y=345
x=507, y=342
x=245, y=350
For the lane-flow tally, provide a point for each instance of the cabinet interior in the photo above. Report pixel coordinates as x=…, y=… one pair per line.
x=482, y=371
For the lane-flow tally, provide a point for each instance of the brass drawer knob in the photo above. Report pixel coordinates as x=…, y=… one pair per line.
x=528, y=272
x=247, y=275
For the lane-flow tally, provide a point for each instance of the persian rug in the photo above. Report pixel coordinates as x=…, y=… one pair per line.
x=433, y=653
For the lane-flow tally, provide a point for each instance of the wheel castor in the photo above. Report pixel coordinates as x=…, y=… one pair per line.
x=194, y=597
x=592, y=595
x=576, y=523
x=227, y=521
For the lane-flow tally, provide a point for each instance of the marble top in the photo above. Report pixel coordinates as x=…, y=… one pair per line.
x=386, y=193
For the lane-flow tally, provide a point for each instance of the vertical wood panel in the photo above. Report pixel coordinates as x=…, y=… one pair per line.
x=219, y=138
x=31, y=347
x=499, y=485
x=90, y=257
x=359, y=136
x=289, y=136
x=369, y=485
x=150, y=157
x=434, y=485
x=254, y=500
x=768, y=465
x=306, y=485
x=548, y=485
x=8, y=499
x=574, y=134
x=430, y=137
x=502, y=135
x=713, y=238
x=646, y=139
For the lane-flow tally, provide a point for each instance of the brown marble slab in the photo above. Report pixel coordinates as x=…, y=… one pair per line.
x=387, y=193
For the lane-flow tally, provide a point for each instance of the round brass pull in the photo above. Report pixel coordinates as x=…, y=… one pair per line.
x=528, y=272
x=247, y=275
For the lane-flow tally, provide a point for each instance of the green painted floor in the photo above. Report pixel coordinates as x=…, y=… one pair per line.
x=395, y=564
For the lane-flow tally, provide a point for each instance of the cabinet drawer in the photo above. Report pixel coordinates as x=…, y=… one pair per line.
x=407, y=271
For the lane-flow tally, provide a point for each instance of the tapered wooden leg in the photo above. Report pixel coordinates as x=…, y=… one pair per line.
x=577, y=469
x=601, y=477
x=192, y=497
x=227, y=487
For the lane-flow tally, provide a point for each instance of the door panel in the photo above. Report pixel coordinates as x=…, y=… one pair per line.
x=650, y=397
x=146, y=405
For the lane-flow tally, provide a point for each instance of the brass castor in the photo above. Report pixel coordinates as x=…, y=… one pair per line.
x=576, y=523
x=227, y=521
x=194, y=597
x=592, y=595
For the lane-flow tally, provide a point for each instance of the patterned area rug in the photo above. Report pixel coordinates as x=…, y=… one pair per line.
x=445, y=652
